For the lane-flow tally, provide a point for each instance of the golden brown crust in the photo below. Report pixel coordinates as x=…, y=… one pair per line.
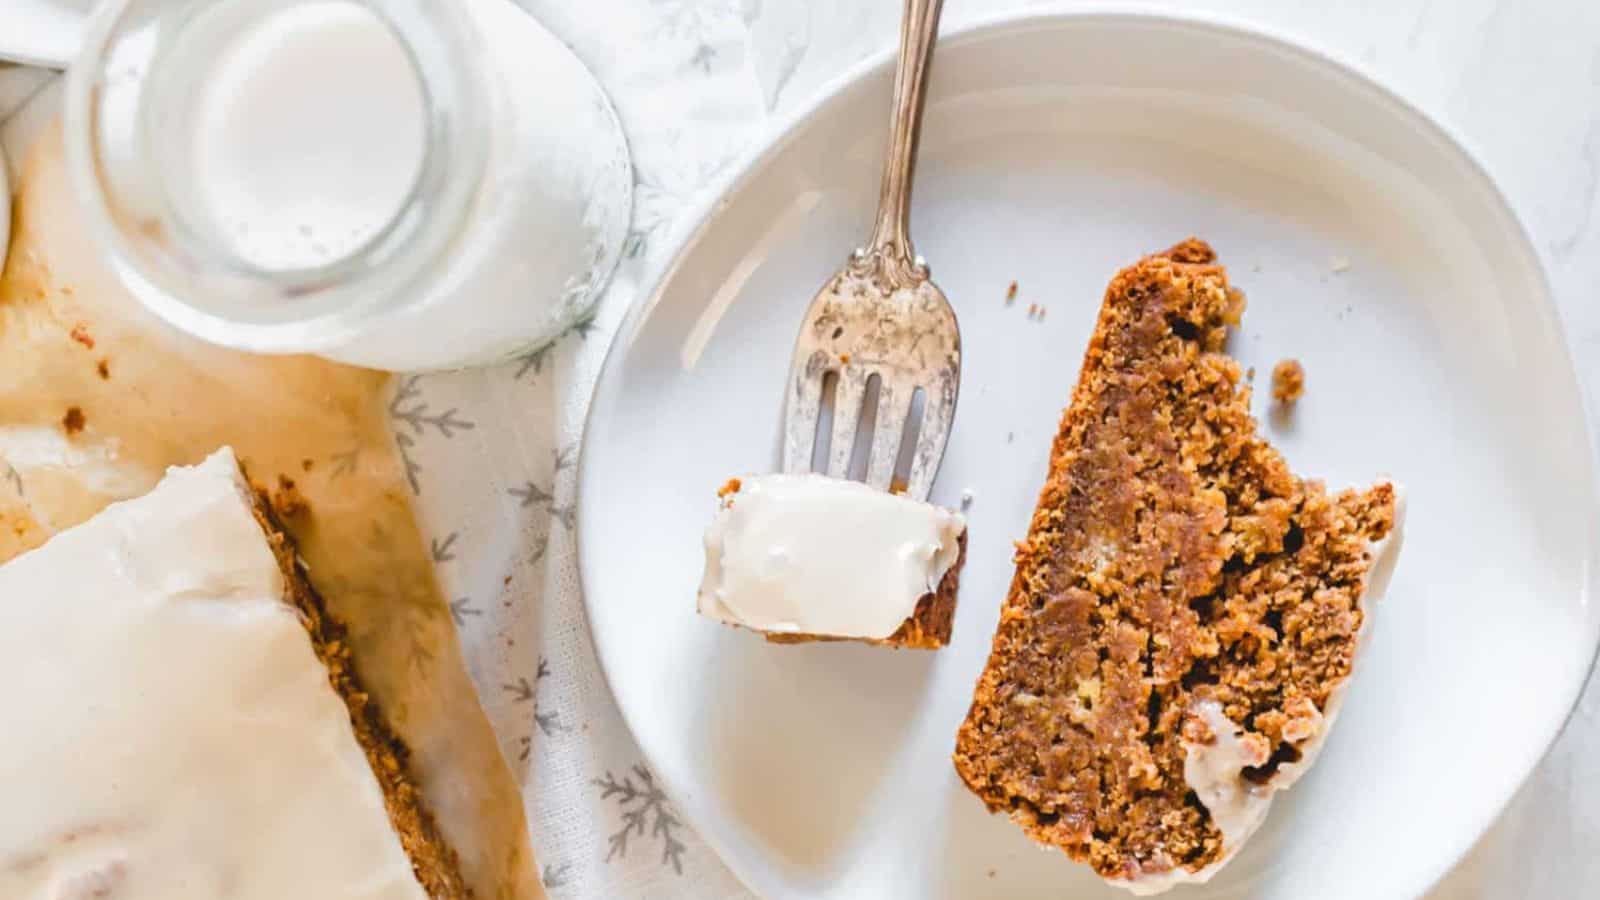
x=432, y=858
x=927, y=628
x=1173, y=557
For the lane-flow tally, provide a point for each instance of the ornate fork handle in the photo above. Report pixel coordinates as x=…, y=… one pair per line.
x=889, y=250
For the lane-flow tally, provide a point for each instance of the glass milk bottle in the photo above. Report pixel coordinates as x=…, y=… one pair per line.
x=401, y=184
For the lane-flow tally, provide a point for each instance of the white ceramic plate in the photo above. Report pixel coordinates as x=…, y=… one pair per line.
x=1057, y=149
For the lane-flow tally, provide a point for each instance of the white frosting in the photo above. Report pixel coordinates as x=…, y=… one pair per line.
x=1237, y=805
x=809, y=554
x=170, y=733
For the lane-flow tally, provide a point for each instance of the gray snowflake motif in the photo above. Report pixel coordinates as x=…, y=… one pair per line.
x=521, y=690
x=566, y=515
x=442, y=550
x=461, y=608
x=532, y=361
x=529, y=494
x=541, y=546
x=549, y=723
x=408, y=408
x=644, y=812
x=524, y=691
x=404, y=442
x=566, y=458
x=556, y=876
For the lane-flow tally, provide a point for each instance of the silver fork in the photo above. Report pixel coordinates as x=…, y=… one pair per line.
x=880, y=319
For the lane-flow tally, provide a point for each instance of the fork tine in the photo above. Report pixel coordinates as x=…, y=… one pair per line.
x=931, y=440
x=800, y=421
x=848, y=396
x=894, y=405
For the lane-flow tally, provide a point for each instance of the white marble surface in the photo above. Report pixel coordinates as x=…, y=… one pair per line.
x=697, y=82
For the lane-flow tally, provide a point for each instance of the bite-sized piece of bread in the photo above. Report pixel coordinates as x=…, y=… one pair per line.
x=805, y=557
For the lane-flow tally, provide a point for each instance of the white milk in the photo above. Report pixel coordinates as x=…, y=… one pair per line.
x=283, y=175
x=307, y=136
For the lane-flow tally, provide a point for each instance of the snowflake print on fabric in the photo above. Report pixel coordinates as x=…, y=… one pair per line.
x=645, y=813
x=533, y=361
x=462, y=608
x=541, y=546
x=566, y=458
x=530, y=494
x=556, y=876
x=442, y=550
x=524, y=691
x=408, y=409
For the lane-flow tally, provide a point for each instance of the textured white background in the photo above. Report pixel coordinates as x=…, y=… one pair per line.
x=697, y=83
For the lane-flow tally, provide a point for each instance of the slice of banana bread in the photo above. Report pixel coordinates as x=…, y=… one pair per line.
x=1185, y=610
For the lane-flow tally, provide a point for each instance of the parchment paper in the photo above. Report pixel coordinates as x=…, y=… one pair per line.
x=97, y=398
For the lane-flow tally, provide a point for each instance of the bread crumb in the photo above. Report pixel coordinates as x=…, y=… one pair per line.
x=73, y=421
x=1288, y=381
x=897, y=485
x=103, y=368
x=1338, y=264
x=844, y=359
x=287, y=501
x=80, y=333
x=1011, y=292
x=731, y=486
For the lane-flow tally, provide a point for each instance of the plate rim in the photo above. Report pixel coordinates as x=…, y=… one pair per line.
x=702, y=214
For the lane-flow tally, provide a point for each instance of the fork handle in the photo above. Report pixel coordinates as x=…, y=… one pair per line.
x=891, y=237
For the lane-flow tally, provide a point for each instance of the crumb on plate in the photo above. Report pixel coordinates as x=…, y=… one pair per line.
x=1288, y=381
